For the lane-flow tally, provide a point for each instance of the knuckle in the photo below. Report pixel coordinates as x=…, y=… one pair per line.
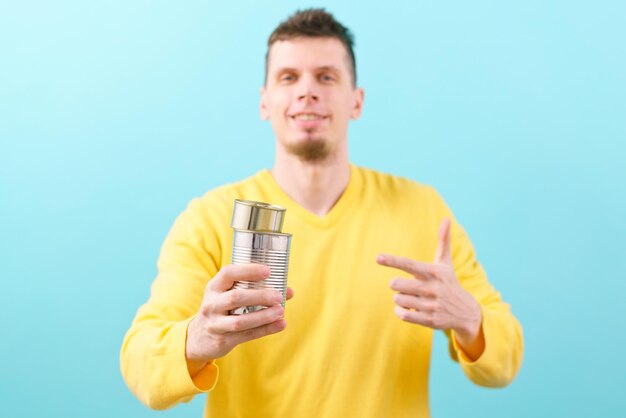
x=269, y=297
x=255, y=333
x=233, y=297
x=435, y=289
x=273, y=314
x=403, y=314
x=425, y=290
x=206, y=310
x=270, y=328
x=220, y=342
x=227, y=270
x=277, y=327
x=213, y=285
x=236, y=324
x=407, y=264
x=209, y=328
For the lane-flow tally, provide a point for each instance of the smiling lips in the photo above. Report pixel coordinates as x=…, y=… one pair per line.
x=308, y=120
x=307, y=116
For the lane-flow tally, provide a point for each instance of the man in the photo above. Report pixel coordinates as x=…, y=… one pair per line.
x=357, y=344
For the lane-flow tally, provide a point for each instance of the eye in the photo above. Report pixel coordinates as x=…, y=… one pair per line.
x=287, y=77
x=327, y=77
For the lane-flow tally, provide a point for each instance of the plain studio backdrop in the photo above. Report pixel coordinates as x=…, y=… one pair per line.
x=113, y=115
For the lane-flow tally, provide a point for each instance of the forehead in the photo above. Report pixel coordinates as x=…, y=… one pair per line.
x=306, y=53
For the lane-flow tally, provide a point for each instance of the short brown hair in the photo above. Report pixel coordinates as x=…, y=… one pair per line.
x=313, y=23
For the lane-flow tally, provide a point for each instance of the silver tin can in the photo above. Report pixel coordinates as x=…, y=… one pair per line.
x=258, y=238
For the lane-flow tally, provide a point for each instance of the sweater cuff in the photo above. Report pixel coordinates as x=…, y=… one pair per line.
x=204, y=381
x=459, y=354
x=486, y=370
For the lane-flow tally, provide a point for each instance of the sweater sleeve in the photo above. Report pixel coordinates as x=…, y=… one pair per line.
x=152, y=356
x=502, y=357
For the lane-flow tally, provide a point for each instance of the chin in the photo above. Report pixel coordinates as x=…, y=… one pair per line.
x=309, y=148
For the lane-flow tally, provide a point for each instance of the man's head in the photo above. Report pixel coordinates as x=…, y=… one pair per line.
x=310, y=89
x=313, y=23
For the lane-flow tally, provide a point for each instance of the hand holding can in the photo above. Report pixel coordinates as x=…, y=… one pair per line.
x=213, y=332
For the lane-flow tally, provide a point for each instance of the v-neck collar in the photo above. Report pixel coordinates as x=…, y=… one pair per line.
x=294, y=209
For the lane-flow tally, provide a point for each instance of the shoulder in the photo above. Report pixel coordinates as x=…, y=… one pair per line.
x=392, y=186
x=217, y=203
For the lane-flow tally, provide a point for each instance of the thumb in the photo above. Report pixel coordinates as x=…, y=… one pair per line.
x=443, y=255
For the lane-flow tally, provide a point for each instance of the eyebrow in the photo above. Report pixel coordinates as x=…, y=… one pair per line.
x=322, y=68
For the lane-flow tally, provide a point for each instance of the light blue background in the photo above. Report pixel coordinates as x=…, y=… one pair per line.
x=113, y=115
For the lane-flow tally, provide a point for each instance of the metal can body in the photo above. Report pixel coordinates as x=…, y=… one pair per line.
x=258, y=239
x=271, y=249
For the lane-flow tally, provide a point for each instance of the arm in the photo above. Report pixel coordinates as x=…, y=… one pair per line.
x=453, y=294
x=502, y=356
x=152, y=356
x=168, y=355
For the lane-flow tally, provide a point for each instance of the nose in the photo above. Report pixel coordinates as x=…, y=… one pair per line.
x=307, y=89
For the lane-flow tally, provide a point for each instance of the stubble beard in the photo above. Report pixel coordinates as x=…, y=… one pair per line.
x=312, y=149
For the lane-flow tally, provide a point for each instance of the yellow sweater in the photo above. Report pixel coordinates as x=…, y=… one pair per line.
x=344, y=353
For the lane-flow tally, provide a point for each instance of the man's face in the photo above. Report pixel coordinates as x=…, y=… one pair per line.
x=309, y=97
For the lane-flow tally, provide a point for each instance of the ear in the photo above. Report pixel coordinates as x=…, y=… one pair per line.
x=359, y=96
x=263, y=110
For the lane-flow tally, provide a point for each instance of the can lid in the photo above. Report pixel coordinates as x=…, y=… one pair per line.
x=257, y=216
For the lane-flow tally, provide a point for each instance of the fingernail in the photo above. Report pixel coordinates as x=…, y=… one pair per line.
x=267, y=271
x=277, y=298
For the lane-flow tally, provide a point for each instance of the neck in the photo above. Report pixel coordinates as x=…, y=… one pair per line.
x=316, y=186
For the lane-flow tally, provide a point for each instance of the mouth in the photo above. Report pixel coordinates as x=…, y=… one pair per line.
x=307, y=117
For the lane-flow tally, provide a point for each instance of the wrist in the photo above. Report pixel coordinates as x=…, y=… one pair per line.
x=469, y=329
x=194, y=362
x=470, y=337
x=193, y=347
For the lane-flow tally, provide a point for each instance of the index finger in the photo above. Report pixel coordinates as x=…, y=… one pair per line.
x=416, y=268
x=227, y=276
